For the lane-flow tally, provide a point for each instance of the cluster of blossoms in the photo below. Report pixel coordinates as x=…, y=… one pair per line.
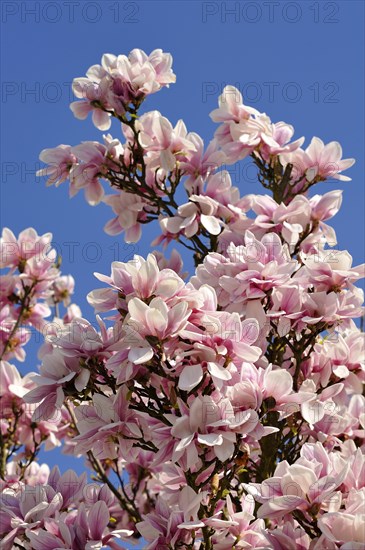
x=244, y=131
x=221, y=411
x=44, y=510
x=22, y=431
x=31, y=286
x=120, y=83
x=32, y=292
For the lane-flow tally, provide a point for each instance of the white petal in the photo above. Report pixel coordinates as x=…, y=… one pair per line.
x=219, y=372
x=190, y=377
x=312, y=412
x=82, y=380
x=341, y=371
x=211, y=224
x=140, y=355
x=210, y=439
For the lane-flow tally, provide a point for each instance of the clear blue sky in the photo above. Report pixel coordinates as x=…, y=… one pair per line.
x=301, y=62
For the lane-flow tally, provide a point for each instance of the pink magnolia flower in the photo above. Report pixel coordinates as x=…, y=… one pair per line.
x=207, y=423
x=106, y=426
x=197, y=214
x=325, y=206
x=154, y=320
x=130, y=211
x=61, y=290
x=226, y=333
x=298, y=309
x=212, y=269
x=70, y=363
x=137, y=278
x=315, y=409
x=319, y=161
x=339, y=355
x=264, y=264
x=288, y=536
x=35, y=474
x=298, y=486
x=200, y=163
x=231, y=107
x=161, y=527
x=218, y=351
x=15, y=252
x=237, y=529
x=81, y=339
x=93, y=91
x=118, y=82
x=278, y=384
x=60, y=374
x=330, y=270
x=163, y=144
x=145, y=73
x=232, y=113
x=12, y=384
x=40, y=272
x=175, y=262
x=344, y=528
x=26, y=507
x=96, y=160
x=87, y=529
x=17, y=415
x=276, y=139
x=291, y=220
x=12, y=343
x=69, y=485
x=218, y=186
x=60, y=160
x=73, y=312
x=245, y=129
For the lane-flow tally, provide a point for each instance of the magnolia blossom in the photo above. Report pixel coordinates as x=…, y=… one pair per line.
x=161, y=528
x=238, y=528
x=138, y=277
x=208, y=424
x=60, y=160
x=62, y=289
x=44, y=513
x=306, y=485
x=201, y=164
x=245, y=129
x=330, y=269
x=130, y=211
x=31, y=284
x=198, y=213
x=165, y=146
x=14, y=252
x=289, y=535
x=104, y=424
x=68, y=364
x=119, y=81
x=318, y=161
x=17, y=414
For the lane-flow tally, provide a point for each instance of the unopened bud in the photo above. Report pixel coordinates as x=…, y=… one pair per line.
x=215, y=483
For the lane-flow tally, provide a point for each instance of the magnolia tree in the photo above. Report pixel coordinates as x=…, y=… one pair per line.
x=217, y=411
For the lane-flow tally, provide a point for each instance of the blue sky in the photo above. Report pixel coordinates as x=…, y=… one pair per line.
x=301, y=62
